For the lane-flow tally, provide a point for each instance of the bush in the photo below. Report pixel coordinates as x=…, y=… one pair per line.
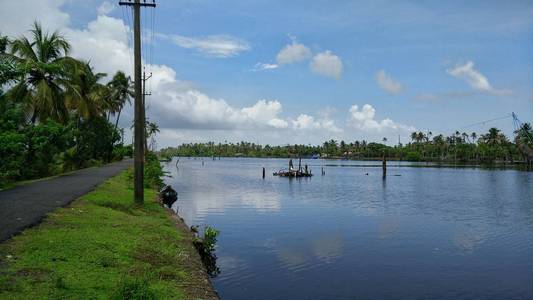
x=413, y=156
x=153, y=172
x=121, y=151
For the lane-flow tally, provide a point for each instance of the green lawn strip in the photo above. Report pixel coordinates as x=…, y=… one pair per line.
x=102, y=246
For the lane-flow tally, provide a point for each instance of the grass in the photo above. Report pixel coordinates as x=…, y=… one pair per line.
x=102, y=246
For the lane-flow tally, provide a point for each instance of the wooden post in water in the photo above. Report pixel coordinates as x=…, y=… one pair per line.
x=384, y=166
x=263, y=172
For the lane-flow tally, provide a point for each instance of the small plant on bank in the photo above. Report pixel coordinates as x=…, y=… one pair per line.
x=210, y=238
x=206, y=247
x=153, y=172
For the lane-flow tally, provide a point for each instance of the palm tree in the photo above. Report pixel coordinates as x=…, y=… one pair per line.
x=414, y=136
x=151, y=130
x=85, y=94
x=524, y=141
x=44, y=62
x=492, y=137
x=9, y=70
x=465, y=137
x=473, y=135
x=121, y=93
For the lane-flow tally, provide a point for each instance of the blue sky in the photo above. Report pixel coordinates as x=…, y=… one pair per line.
x=424, y=65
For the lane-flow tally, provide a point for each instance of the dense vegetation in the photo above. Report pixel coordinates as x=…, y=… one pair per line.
x=54, y=110
x=489, y=147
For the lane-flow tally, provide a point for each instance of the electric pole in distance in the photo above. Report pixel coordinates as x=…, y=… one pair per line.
x=144, y=94
x=138, y=154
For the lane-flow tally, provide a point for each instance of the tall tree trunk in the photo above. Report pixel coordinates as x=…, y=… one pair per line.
x=118, y=117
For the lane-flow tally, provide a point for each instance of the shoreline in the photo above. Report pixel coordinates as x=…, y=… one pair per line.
x=421, y=163
x=103, y=245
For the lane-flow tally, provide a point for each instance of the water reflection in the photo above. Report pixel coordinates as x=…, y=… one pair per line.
x=327, y=247
x=469, y=237
x=429, y=233
x=261, y=201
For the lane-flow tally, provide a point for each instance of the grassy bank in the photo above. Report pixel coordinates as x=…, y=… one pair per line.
x=103, y=246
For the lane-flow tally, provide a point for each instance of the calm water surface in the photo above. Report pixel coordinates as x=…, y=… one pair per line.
x=429, y=233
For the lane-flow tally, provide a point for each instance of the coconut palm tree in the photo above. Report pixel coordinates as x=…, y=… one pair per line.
x=473, y=135
x=44, y=62
x=151, y=130
x=121, y=92
x=9, y=70
x=414, y=136
x=492, y=137
x=85, y=94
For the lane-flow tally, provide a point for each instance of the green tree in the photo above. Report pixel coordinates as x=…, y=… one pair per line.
x=85, y=94
x=44, y=61
x=121, y=92
x=151, y=130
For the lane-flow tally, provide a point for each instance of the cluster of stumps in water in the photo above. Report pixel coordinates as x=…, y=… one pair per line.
x=306, y=171
x=292, y=172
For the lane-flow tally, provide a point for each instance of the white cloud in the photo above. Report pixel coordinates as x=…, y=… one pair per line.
x=292, y=53
x=327, y=64
x=104, y=42
x=16, y=17
x=264, y=66
x=105, y=8
x=474, y=78
x=304, y=121
x=364, y=120
x=184, y=112
x=388, y=84
x=180, y=106
x=213, y=45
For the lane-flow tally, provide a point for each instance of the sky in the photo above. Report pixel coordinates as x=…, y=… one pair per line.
x=279, y=72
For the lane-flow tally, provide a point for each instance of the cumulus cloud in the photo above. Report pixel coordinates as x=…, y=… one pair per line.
x=104, y=42
x=327, y=64
x=213, y=45
x=304, y=121
x=474, y=78
x=184, y=112
x=180, y=106
x=387, y=83
x=364, y=119
x=292, y=53
x=17, y=16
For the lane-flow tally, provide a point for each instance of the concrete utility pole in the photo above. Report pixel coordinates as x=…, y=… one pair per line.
x=138, y=154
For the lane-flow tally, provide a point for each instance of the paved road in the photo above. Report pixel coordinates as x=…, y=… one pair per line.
x=26, y=205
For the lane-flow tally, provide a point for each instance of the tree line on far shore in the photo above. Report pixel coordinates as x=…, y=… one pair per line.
x=55, y=110
x=489, y=147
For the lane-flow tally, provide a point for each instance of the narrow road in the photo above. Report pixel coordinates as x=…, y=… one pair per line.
x=26, y=205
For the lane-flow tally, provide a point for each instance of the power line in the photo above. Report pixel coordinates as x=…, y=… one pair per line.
x=487, y=121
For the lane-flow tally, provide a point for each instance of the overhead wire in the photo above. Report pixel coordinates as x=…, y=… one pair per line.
x=127, y=30
x=487, y=121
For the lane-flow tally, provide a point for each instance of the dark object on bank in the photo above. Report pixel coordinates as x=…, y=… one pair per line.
x=168, y=196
